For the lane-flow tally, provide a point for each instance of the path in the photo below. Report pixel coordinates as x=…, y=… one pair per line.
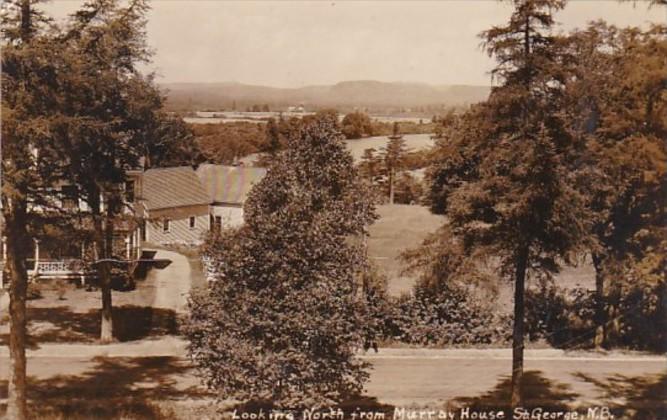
x=173, y=283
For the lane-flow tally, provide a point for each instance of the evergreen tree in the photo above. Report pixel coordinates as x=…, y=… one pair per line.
x=286, y=309
x=393, y=155
x=108, y=109
x=370, y=169
x=515, y=196
x=29, y=69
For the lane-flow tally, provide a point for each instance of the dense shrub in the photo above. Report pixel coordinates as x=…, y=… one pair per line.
x=356, y=125
x=444, y=319
x=565, y=318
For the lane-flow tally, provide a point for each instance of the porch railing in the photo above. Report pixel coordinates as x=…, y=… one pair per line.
x=69, y=268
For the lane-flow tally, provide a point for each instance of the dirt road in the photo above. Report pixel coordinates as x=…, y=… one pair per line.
x=173, y=283
x=399, y=378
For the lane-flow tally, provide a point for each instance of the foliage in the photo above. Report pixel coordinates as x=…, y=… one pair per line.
x=447, y=318
x=617, y=103
x=409, y=189
x=226, y=143
x=386, y=128
x=566, y=318
x=356, y=125
x=507, y=182
x=284, y=316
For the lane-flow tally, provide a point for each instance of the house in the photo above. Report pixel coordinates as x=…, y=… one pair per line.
x=174, y=206
x=164, y=206
x=228, y=188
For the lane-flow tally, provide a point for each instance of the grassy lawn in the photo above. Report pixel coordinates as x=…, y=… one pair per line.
x=400, y=227
x=66, y=312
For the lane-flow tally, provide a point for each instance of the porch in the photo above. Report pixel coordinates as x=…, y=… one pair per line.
x=69, y=262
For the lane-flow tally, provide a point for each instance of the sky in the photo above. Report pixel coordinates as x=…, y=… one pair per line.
x=299, y=43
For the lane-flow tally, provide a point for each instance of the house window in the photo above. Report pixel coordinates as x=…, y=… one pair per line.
x=129, y=191
x=193, y=222
x=218, y=222
x=166, y=225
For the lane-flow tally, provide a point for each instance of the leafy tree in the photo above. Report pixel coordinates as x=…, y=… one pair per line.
x=284, y=317
x=357, y=125
x=227, y=142
x=618, y=102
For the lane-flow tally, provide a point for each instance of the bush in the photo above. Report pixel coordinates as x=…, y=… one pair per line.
x=444, y=319
x=563, y=318
x=566, y=318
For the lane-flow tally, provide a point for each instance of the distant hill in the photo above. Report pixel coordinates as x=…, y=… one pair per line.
x=344, y=95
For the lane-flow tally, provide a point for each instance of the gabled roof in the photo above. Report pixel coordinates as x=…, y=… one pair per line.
x=229, y=184
x=172, y=187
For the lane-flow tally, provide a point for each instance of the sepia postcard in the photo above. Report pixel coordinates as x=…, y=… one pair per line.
x=310, y=210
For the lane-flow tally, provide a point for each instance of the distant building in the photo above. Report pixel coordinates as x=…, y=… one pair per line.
x=228, y=188
x=175, y=206
x=299, y=109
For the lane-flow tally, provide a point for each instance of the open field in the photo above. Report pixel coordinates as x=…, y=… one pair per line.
x=414, y=142
x=400, y=227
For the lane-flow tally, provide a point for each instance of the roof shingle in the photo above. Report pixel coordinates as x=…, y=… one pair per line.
x=173, y=187
x=229, y=184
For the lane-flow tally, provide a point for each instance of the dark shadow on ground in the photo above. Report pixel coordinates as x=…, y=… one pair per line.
x=645, y=397
x=114, y=388
x=538, y=391
x=61, y=325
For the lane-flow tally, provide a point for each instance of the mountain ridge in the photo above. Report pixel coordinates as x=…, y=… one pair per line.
x=345, y=94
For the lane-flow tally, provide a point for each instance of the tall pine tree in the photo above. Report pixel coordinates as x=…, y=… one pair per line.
x=520, y=201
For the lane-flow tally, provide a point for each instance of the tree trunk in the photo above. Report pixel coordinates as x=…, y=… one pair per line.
x=104, y=251
x=518, y=332
x=17, y=251
x=391, y=186
x=106, y=328
x=600, y=314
